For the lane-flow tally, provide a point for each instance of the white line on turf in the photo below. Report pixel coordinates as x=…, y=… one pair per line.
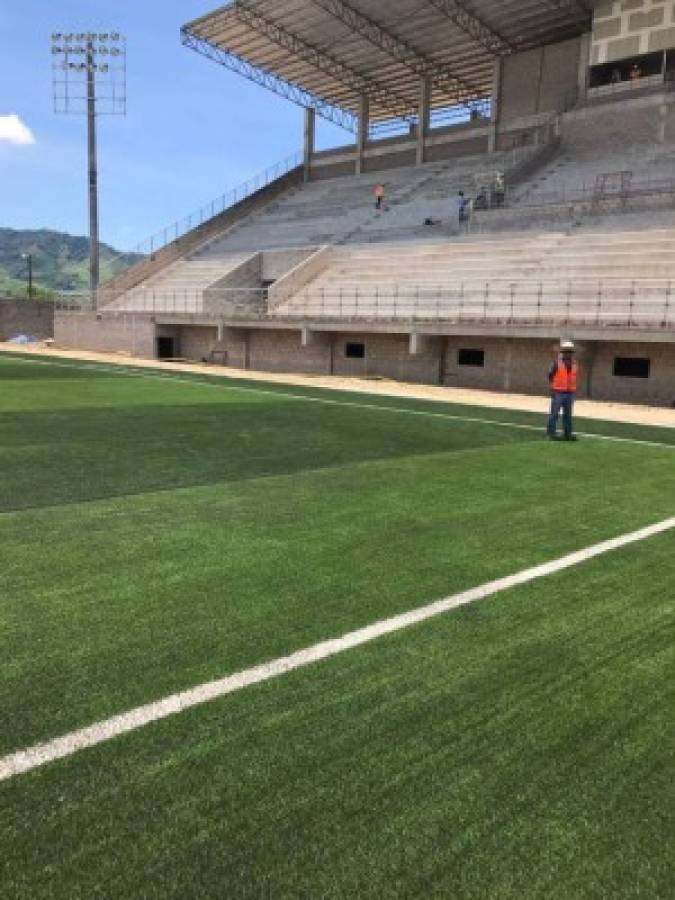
x=68, y=744
x=134, y=372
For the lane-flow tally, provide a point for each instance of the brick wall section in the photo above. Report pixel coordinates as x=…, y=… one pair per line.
x=197, y=342
x=511, y=364
x=540, y=81
x=25, y=317
x=281, y=351
x=630, y=27
x=387, y=356
x=131, y=334
x=658, y=389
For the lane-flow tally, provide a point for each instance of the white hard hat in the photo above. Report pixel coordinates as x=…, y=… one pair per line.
x=567, y=346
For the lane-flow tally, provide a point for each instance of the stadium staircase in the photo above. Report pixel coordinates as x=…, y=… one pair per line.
x=337, y=211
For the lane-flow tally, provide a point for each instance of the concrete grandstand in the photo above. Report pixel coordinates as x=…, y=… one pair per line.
x=534, y=111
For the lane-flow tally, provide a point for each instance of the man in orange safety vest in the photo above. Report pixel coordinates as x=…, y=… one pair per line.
x=563, y=378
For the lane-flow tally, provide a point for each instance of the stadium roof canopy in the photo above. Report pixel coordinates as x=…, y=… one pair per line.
x=327, y=54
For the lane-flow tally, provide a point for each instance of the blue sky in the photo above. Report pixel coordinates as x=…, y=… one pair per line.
x=192, y=128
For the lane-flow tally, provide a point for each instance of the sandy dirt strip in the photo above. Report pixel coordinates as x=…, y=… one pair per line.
x=590, y=409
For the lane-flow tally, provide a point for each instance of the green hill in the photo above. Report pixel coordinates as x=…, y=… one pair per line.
x=60, y=261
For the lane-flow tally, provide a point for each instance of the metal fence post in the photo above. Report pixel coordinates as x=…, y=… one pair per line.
x=666, y=310
x=569, y=303
x=598, y=311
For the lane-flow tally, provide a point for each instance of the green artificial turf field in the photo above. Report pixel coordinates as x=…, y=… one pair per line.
x=159, y=532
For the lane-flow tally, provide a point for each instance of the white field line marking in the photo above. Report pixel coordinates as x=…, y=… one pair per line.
x=185, y=379
x=41, y=754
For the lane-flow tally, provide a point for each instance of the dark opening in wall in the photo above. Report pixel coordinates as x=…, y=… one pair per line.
x=166, y=348
x=474, y=358
x=631, y=69
x=355, y=351
x=631, y=367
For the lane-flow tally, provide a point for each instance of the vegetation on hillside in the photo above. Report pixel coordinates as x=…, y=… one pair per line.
x=60, y=261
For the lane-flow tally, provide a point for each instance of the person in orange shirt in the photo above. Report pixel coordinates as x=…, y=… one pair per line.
x=379, y=195
x=563, y=379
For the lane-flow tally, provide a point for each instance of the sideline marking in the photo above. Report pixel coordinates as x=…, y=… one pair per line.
x=158, y=375
x=40, y=754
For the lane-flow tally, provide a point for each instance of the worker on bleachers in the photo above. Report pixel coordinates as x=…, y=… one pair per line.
x=379, y=193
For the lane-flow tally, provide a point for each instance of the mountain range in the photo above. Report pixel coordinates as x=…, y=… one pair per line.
x=60, y=261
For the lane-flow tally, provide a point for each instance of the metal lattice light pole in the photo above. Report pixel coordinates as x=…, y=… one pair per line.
x=89, y=78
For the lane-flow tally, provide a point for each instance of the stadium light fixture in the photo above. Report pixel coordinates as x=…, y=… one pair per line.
x=89, y=75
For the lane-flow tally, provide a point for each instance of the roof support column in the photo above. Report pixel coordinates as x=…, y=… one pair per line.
x=424, y=118
x=584, y=64
x=310, y=138
x=496, y=111
x=362, y=133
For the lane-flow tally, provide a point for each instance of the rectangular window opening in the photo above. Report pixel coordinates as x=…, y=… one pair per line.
x=631, y=367
x=355, y=351
x=474, y=358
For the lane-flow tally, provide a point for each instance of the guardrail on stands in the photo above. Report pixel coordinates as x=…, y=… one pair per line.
x=165, y=236
x=584, y=302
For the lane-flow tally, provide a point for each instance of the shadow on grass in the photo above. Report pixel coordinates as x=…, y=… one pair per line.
x=79, y=455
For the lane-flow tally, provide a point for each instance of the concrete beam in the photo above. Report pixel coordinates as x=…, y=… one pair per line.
x=362, y=133
x=495, y=113
x=424, y=118
x=310, y=140
x=584, y=65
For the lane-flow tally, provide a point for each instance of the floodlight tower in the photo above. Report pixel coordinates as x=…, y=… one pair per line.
x=89, y=77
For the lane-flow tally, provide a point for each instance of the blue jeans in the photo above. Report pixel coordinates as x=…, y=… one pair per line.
x=561, y=400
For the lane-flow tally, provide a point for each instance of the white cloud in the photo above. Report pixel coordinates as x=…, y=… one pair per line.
x=14, y=131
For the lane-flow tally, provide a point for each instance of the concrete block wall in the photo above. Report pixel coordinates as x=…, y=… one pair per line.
x=540, y=80
x=514, y=365
x=386, y=356
x=282, y=351
x=625, y=28
x=658, y=389
x=277, y=263
x=196, y=342
x=519, y=365
x=239, y=288
x=132, y=334
x=34, y=318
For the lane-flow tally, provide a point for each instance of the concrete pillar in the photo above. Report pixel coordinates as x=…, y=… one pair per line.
x=424, y=115
x=308, y=338
x=362, y=134
x=584, y=65
x=662, y=124
x=310, y=138
x=424, y=344
x=508, y=365
x=497, y=73
x=418, y=344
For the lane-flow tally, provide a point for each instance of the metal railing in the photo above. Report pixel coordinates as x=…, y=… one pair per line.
x=649, y=182
x=165, y=236
x=582, y=302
